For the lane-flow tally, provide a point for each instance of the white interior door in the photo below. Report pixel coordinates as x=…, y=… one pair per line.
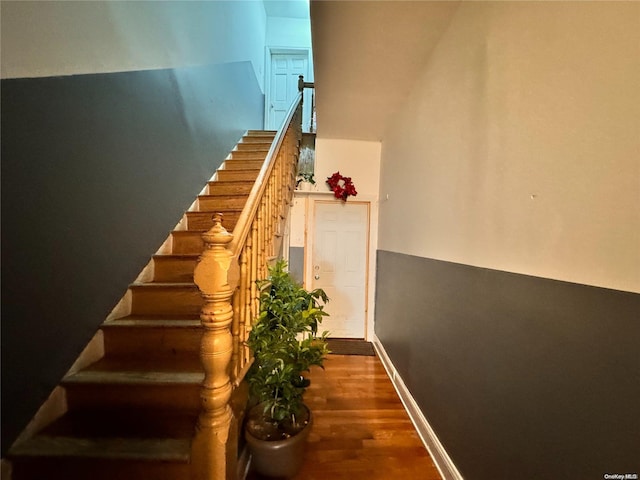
x=283, y=85
x=339, y=265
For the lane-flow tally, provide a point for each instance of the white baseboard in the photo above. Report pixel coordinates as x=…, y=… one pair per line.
x=439, y=455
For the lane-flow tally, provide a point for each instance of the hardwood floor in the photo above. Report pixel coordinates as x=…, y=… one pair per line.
x=360, y=430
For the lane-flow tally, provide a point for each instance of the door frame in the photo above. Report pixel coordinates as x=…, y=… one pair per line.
x=269, y=52
x=309, y=235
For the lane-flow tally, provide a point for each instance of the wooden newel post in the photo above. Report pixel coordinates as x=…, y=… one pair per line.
x=209, y=448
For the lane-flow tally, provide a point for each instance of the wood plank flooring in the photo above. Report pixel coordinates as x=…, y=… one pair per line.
x=360, y=430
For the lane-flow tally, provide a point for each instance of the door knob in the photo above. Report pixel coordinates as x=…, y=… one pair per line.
x=316, y=276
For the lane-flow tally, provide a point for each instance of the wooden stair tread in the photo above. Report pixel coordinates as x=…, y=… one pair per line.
x=246, y=155
x=160, y=285
x=248, y=139
x=165, y=449
x=226, y=186
x=177, y=256
x=151, y=323
x=239, y=174
x=213, y=211
x=137, y=381
x=179, y=368
x=220, y=202
x=219, y=191
x=263, y=143
x=262, y=132
x=160, y=318
x=227, y=196
x=243, y=164
x=261, y=148
x=124, y=422
x=224, y=198
x=240, y=170
x=132, y=377
x=230, y=182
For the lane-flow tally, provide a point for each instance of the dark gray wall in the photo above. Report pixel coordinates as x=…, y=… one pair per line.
x=296, y=263
x=520, y=377
x=96, y=171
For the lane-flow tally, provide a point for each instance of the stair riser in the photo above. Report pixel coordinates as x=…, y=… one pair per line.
x=109, y=395
x=229, y=188
x=73, y=468
x=185, y=242
x=253, y=147
x=248, y=155
x=211, y=203
x=165, y=301
x=268, y=138
x=151, y=341
x=242, y=175
x=203, y=220
x=243, y=164
x=171, y=269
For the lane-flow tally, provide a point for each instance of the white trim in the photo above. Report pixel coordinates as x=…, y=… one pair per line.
x=440, y=457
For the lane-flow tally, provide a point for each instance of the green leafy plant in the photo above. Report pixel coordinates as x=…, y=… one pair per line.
x=305, y=177
x=285, y=343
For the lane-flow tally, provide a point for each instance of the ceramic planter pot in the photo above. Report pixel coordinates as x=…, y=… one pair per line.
x=278, y=458
x=306, y=186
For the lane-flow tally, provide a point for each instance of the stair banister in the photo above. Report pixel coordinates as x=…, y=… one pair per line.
x=241, y=229
x=226, y=275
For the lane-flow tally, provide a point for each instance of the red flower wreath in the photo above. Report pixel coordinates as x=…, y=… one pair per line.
x=341, y=186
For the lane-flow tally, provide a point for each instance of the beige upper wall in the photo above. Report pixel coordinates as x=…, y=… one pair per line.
x=367, y=55
x=519, y=147
x=357, y=159
x=64, y=38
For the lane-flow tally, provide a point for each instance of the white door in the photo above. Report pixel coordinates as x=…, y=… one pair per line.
x=339, y=265
x=283, y=86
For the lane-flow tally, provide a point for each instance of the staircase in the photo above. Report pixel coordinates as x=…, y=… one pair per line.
x=132, y=413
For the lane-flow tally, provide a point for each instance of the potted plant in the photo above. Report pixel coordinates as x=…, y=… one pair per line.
x=304, y=181
x=285, y=343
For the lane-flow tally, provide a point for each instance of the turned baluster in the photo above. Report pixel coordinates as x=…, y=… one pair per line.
x=254, y=295
x=244, y=280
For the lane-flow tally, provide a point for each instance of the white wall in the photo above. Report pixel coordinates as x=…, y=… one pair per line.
x=518, y=148
x=288, y=32
x=63, y=38
x=357, y=159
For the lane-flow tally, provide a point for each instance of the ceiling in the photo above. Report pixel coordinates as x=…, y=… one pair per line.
x=288, y=8
x=367, y=55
